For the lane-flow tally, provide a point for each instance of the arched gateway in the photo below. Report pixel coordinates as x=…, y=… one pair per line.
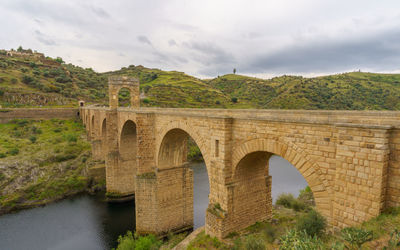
x=350, y=159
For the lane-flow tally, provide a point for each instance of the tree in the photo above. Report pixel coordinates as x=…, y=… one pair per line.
x=234, y=70
x=20, y=49
x=59, y=60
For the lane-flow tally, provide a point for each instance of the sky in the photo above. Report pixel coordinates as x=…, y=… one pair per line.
x=210, y=38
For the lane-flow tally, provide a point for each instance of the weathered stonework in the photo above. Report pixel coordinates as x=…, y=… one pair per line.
x=350, y=159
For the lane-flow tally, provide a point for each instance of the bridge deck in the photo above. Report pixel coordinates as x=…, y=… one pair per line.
x=365, y=119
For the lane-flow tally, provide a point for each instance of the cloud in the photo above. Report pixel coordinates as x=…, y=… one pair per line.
x=380, y=51
x=172, y=42
x=144, y=39
x=209, y=53
x=203, y=39
x=100, y=12
x=44, y=39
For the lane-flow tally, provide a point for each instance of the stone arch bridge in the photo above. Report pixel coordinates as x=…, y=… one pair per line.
x=350, y=159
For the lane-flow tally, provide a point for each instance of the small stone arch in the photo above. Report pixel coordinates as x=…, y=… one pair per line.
x=128, y=140
x=92, y=126
x=103, y=133
x=304, y=164
x=116, y=83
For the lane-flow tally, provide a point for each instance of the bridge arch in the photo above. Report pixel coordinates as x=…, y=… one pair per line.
x=186, y=128
x=256, y=153
x=125, y=170
x=128, y=141
x=176, y=178
x=104, y=136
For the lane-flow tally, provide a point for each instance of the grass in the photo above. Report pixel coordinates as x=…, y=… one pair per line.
x=45, y=168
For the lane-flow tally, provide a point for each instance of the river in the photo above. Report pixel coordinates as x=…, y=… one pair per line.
x=87, y=222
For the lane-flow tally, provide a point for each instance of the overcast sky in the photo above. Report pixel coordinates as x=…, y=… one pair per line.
x=209, y=38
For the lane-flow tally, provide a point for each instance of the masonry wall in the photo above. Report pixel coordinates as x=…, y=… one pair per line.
x=393, y=186
x=7, y=115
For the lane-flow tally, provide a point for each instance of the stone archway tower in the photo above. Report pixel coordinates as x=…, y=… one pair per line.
x=116, y=83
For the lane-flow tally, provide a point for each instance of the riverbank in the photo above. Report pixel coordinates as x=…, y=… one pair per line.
x=294, y=225
x=42, y=162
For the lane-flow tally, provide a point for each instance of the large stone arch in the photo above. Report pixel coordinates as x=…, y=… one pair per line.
x=174, y=177
x=124, y=171
x=184, y=126
x=303, y=163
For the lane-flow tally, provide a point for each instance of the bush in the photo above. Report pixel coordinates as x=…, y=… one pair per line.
x=234, y=99
x=306, y=196
x=14, y=151
x=394, y=241
x=14, y=80
x=313, y=223
x=217, y=102
x=145, y=100
x=32, y=139
x=27, y=79
x=254, y=243
x=2, y=155
x=1, y=92
x=285, y=200
x=270, y=233
x=356, y=237
x=71, y=138
x=300, y=240
x=133, y=241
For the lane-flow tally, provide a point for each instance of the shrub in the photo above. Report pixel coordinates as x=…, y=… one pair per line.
x=300, y=240
x=394, y=241
x=1, y=92
x=313, y=223
x=254, y=243
x=14, y=80
x=133, y=241
x=234, y=99
x=27, y=79
x=145, y=100
x=2, y=155
x=14, y=151
x=356, y=237
x=306, y=196
x=71, y=138
x=285, y=200
x=218, y=102
x=32, y=139
x=270, y=233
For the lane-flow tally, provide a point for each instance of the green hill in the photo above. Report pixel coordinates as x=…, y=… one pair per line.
x=30, y=79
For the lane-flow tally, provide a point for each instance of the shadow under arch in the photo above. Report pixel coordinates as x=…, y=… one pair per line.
x=125, y=170
x=176, y=177
x=256, y=153
x=103, y=131
x=184, y=127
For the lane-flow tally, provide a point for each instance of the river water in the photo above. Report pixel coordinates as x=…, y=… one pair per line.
x=87, y=222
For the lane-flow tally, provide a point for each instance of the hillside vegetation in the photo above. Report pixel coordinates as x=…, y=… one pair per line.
x=41, y=161
x=32, y=81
